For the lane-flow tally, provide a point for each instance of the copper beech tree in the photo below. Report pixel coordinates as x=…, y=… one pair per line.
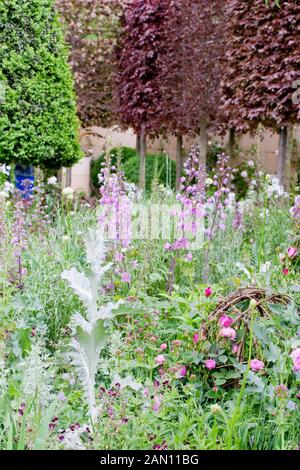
x=168, y=66
x=91, y=29
x=262, y=68
x=191, y=71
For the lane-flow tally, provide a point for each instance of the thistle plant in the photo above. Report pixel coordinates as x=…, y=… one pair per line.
x=90, y=333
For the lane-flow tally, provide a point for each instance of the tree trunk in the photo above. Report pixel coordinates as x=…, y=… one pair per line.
x=69, y=177
x=138, y=143
x=259, y=148
x=179, y=158
x=142, y=156
x=203, y=141
x=282, y=155
x=59, y=176
x=290, y=148
x=231, y=143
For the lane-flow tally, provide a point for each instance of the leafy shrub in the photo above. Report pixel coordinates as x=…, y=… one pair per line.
x=156, y=167
x=38, y=123
x=214, y=150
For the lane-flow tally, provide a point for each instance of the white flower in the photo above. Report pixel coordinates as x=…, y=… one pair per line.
x=8, y=187
x=244, y=174
x=68, y=191
x=208, y=181
x=52, y=181
x=251, y=163
x=5, y=169
x=3, y=196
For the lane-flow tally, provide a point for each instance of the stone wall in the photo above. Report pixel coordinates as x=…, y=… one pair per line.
x=262, y=149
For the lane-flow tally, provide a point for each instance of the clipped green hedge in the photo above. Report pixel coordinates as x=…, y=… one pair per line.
x=156, y=167
x=38, y=122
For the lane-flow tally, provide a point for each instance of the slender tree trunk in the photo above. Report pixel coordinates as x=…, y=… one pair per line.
x=179, y=160
x=203, y=141
x=69, y=177
x=259, y=147
x=138, y=143
x=59, y=176
x=290, y=149
x=142, y=155
x=231, y=143
x=282, y=155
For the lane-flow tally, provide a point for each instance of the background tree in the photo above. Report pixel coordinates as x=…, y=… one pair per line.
x=168, y=69
x=38, y=122
x=190, y=70
x=92, y=28
x=138, y=92
x=263, y=63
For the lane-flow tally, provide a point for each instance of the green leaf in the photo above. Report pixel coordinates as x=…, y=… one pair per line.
x=44, y=428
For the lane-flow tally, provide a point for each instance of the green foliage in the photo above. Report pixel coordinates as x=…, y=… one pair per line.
x=158, y=169
x=38, y=123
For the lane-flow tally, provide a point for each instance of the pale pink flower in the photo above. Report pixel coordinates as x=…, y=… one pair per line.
x=176, y=342
x=182, y=371
x=163, y=346
x=168, y=247
x=292, y=252
x=296, y=359
x=156, y=404
x=225, y=321
x=235, y=348
x=228, y=333
x=119, y=257
x=126, y=277
x=295, y=354
x=256, y=365
x=160, y=359
x=210, y=364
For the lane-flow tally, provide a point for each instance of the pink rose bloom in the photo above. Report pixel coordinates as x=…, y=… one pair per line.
x=210, y=364
x=295, y=354
x=156, y=404
x=160, y=359
x=208, y=292
x=225, y=321
x=296, y=359
x=196, y=338
x=256, y=365
x=228, y=333
x=292, y=252
x=297, y=365
x=163, y=346
x=285, y=271
x=126, y=278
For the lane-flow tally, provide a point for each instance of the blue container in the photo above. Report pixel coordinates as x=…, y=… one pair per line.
x=24, y=179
